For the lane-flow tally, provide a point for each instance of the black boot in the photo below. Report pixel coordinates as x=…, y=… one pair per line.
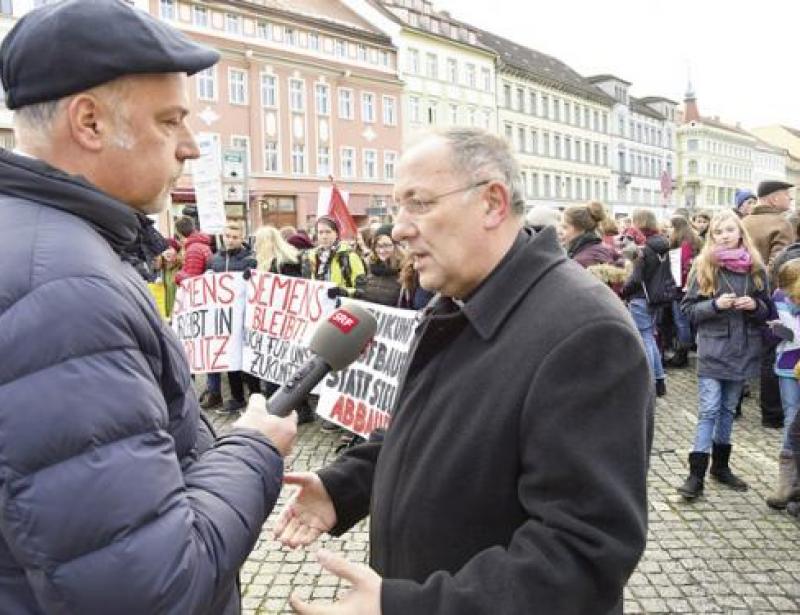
x=693, y=486
x=680, y=358
x=720, y=455
x=661, y=387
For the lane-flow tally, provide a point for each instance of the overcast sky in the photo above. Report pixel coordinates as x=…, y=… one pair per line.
x=744, y=57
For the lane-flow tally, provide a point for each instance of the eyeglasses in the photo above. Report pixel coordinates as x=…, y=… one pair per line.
x=417, y=206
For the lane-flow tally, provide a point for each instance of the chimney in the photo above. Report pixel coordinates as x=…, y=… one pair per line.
x=691, y=114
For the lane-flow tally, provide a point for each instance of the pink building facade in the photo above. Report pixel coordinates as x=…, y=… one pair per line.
x=310, y=94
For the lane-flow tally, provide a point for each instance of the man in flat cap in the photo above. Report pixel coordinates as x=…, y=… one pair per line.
x=770, y=231
x=115, y=496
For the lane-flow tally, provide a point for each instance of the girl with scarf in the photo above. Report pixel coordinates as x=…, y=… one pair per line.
x=581, y=232
x=728, y=302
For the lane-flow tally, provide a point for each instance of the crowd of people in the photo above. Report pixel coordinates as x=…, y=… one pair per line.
x=732, y=299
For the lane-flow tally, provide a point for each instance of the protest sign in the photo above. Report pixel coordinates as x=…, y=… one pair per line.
x=280, y=315
x=208, y=319
x=675, y=266
x=361, y=398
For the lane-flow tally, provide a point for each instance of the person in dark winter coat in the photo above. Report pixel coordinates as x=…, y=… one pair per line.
x=116, y=496
x=500, y=486
x=235, y=257
x=645, y=263
x=581, y=233
x=381, y=284
x=728, y=303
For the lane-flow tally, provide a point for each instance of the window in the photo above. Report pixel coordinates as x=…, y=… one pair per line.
x=413, y=108
x=596, y=121
x=605, y=156
x=237, y=86
x=233, y=24
x=389, y=163
x=557, y=109
x=167, y=9
x=452, y=70
x=605, y=123
x=322, y=98
x=567, y=148
x=578, y=150
x=264, y=30
x=361, y=52
x=348, y=162
x=383, y=58
x=547, y=188
x=509, y=132
x=370, y=164
x=546, y=136
x=486, y=78
x=567, y=116
x=605, y=191
x=507, y=95
x=588, y=152
x=367, y=107
x=534, y=185
x=297, y=97
x=345, y=104
x=389, y=111
x=206, y=84
x=412, y=63
x=523, y=176
x=534, y=142
x=470, y=75
x=432, y=65
x=487, y=119
x=520, y=100
x=323, y=161
x=692, y=145
x=545, y=106
x=453, y=115
x=621, y=127
x=269, y=94
x=521, y=140
x=289, y=37
x=242, y=143
x=200, y=16
x=313, y=41
x=557, y=146
x=298, y=159
x=532, y=103
x=586, y=112
x=271, y=157
x=433, y=112
x=557, y=185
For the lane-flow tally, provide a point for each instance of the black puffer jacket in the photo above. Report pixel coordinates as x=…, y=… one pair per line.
x=233, y=260
x=380, y=285
x=113, y=494
x=645, y=266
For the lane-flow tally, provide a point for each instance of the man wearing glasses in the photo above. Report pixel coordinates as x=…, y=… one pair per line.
x=512, y=478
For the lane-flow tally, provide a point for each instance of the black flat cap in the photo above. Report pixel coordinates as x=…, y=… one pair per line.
x=74, y=45
x=768, y=187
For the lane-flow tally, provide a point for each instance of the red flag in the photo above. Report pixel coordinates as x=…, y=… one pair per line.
x=339, y=212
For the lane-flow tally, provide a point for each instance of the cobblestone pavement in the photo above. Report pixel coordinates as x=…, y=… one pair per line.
x=725, y=553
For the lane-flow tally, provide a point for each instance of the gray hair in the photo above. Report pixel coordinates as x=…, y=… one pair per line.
x=478, y=154
x=34, y=123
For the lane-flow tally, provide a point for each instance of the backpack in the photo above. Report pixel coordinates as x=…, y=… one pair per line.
x=659, y=287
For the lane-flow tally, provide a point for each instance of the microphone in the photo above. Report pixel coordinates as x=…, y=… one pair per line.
x=335, y=344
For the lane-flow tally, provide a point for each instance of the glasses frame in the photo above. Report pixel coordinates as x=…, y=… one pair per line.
x=421, y=207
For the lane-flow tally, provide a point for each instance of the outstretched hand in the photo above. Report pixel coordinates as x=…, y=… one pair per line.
x=308, y=513
x=364, y=598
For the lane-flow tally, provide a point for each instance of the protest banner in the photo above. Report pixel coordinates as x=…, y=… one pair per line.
x=280, y=315
x=208, y=319
x=361, y=398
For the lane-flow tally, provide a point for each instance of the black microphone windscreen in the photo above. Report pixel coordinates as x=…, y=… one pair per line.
x=342, y=337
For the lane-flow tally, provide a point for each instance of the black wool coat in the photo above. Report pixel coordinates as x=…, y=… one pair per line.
x=513, y=476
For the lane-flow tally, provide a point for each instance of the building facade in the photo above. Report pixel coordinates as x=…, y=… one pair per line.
x=788, y=139
x=714, y=160
x=769, y=162
x=557, y=122
x=643, y=149
x=448, y=75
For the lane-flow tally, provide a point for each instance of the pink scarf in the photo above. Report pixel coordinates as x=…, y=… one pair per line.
x=737, y=260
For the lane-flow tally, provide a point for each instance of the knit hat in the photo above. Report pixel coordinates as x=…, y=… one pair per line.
x=741, y=196
x=541, y=216
x=301, y=242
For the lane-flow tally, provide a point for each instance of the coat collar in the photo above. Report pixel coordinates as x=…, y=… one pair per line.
x=765, y=209
x=530, y=258
x=34, y=180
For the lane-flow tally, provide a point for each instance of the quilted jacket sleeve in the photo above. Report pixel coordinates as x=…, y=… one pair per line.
x=93, y=502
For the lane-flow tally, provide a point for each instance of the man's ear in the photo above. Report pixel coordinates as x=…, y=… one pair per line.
x=497, y=201
x=90, y=124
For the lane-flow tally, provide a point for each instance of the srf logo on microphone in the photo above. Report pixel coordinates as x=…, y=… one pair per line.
x=343, y=320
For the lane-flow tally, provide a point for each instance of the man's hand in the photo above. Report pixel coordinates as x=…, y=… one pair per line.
x=364, y=598
x=308, y=514
x=280, y=431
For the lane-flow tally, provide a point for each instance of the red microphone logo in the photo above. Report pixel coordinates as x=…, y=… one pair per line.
x=343, y=320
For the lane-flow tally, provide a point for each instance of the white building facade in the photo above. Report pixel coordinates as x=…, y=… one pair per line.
x=557, y=123
x=769, y=163
x=449, y=77
x=643, y=149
